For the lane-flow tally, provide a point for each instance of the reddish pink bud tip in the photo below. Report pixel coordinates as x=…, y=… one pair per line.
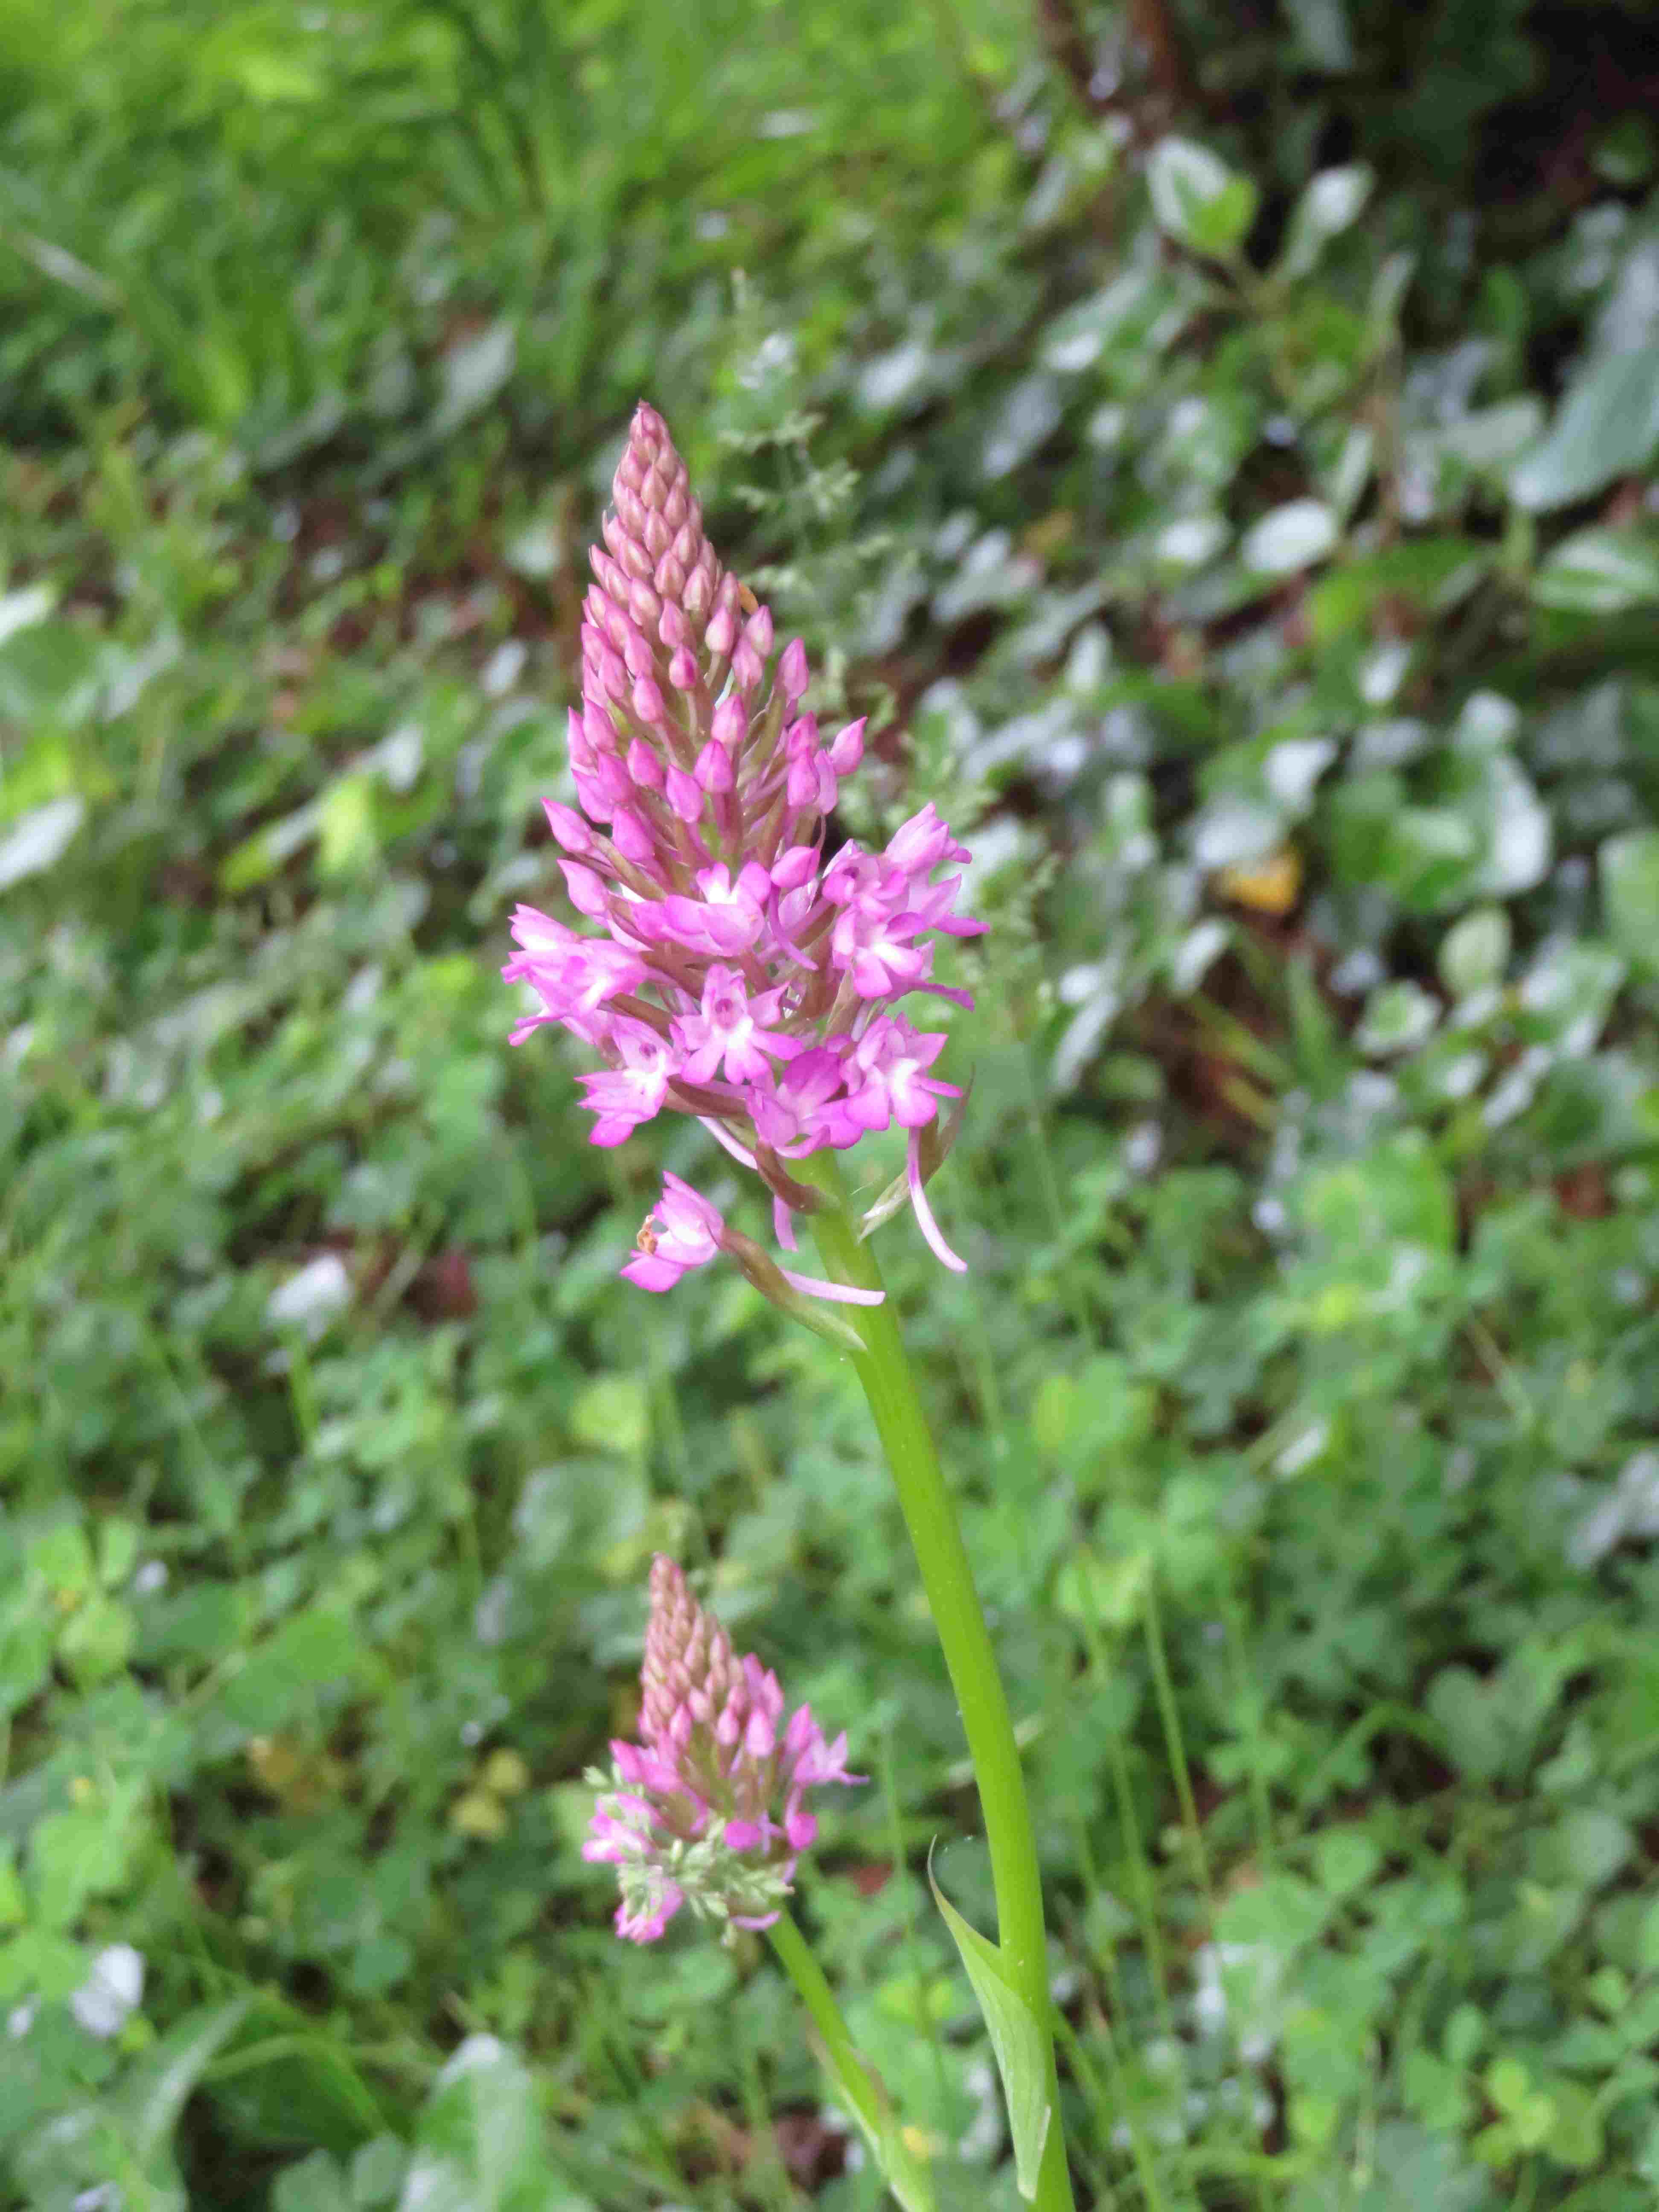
x=730, y=726
x=647, y=700
x=631, y=835
x=713, y=769
x=847, y=748
x=644, y=769
x=793, y=673
x=684, y=794
x=568, y=827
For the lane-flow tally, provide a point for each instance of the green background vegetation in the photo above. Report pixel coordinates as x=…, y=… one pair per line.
x=1217, y=443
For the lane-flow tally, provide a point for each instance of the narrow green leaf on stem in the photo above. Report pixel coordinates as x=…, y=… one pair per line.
x=1017, y=2037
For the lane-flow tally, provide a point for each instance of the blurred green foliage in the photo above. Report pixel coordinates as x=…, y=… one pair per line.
x=1231, y=489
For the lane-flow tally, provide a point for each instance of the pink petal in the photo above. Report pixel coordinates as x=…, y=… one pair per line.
x=923, y=1213
x=842, y=1294
x=644, y=1268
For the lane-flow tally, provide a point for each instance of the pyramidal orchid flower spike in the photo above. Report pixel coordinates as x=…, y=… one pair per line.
x=708, y=1809
x=734, y=971
x=727, y=964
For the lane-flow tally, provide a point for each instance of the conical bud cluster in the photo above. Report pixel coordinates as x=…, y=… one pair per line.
x=657, y=556
x=688, y=1667
x=707, y=1810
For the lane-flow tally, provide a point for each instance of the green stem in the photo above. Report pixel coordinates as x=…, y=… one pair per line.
x=799, y=1962
x=1134, y=1852
x=1170, y=1713
x=930, y=1515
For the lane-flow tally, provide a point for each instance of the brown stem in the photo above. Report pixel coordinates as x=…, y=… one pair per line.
x=1068, y=50
x=1155, y=30
x=1154, y=24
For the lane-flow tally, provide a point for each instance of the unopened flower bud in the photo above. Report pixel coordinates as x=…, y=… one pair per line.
x=631, y=835
x=569, y=828
x=587, y=893
x=685, y=795
x=730, y=725
x=795, y=867
x=847, y=748
x=644, y=605
x=793, y=671
x=649, y=701
x=645, y=770
x=713, y=768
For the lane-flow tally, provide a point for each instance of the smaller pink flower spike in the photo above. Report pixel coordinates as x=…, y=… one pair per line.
x=707, y=1811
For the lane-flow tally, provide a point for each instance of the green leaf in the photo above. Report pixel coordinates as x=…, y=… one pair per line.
x=349, y=836
x=311, y=2184
x=95, y=1641
x=14, y=1905
x=1322, y=32
x=1475, y=952
x=1625, y=154
x=1017, y=2039
x=1575, y=2131
x=80, y=1854
x=40, y=839
x=153, y=2096
x=259, y=856
x=1198, y=199
x=1647, y=1941
x=904, y=2170
x=1329, y=203
x=1607, y=426
x=1346, y=1859
x=1629, y=867
x=1464, y=2032
x=1110, y=1592
x=613, y=1414
x=1398, y=1017
x=481, y=2146
x=1601, y=572
x=1290, y=538
x=1431, y=574
x=313, y=1649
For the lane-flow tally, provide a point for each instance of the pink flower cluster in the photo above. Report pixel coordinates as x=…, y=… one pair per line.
x=708, y=1810
x=742, y=975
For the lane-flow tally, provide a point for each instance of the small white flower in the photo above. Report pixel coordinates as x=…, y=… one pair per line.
x=110, y=1991
x=311, y=1298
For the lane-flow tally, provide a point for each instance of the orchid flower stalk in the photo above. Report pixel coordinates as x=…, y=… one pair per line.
x=738, y=970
